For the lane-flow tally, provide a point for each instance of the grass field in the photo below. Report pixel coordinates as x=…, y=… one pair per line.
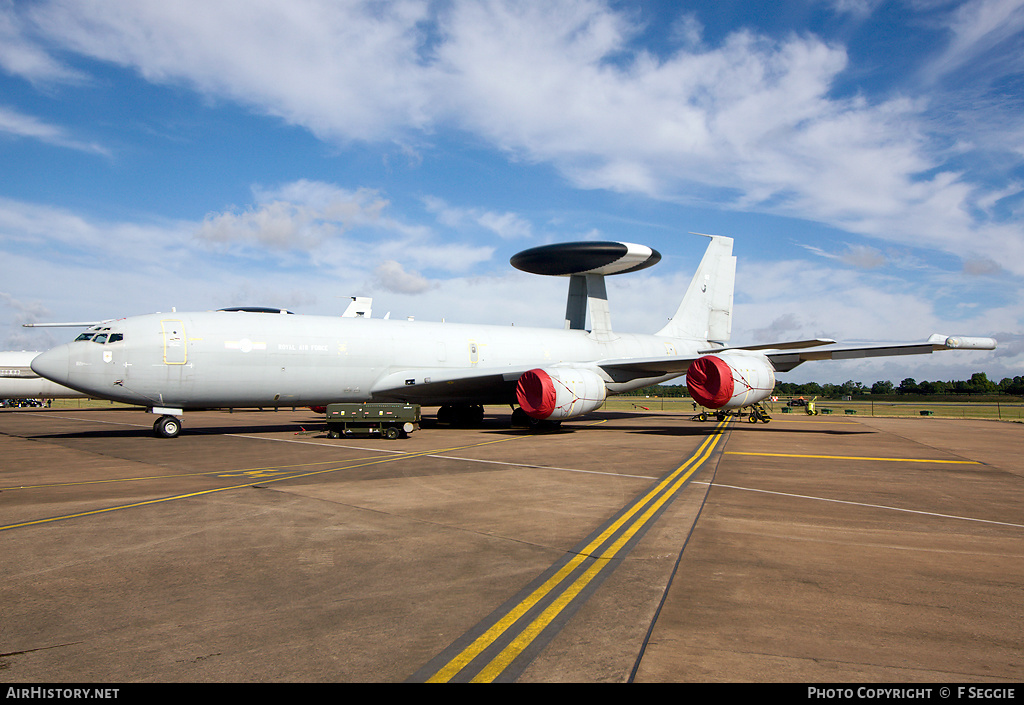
x=1007, y=411
x=986, y=409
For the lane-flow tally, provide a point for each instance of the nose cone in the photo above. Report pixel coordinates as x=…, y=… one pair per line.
x=53, y=364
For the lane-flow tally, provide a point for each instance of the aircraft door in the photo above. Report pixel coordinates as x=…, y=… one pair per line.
x=175, y=348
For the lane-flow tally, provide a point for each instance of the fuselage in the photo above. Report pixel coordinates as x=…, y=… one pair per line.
x=224, y=359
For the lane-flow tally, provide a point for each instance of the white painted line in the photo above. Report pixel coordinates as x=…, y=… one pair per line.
x=864, y=504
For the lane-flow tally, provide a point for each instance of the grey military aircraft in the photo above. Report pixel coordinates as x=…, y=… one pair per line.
x=271, y=357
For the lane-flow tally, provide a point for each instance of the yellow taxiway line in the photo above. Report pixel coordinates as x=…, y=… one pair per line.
x=632, y=521
x=262, y=480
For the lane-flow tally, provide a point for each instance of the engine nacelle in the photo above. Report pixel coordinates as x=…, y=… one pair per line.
x=560, y=393
x=730, y=380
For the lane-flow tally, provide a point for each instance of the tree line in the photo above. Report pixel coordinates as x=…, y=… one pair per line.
x=979, y=384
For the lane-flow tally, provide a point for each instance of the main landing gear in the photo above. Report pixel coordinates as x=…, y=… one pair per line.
x=461, y=415
x=520, y=419
x=166, y=427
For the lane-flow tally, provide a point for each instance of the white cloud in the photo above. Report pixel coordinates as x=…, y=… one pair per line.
x=392, y=276
x=341, y=70
x=17, y=124
x=857, y=8
x=806, y=299
x=24, y=311
x=295, y=240
x=750, y=124
x=977, y=28
x=20, y=56
x=298, y=216
x=862, y=256
x=981, y=267
x=506, y=225
x=778, y=330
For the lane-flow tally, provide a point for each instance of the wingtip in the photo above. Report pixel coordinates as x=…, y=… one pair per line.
x=963, y=342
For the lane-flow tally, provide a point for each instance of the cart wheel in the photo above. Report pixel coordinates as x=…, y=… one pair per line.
x=391, y=433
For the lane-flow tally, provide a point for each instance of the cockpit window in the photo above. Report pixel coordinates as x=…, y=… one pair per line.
x=101, y=337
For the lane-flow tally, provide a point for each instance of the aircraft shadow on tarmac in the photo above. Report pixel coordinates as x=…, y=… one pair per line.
x=704, y=429
x=690, y=427
x=142, y=432
x=660, y=424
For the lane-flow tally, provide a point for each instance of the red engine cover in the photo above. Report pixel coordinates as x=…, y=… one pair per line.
x=563, y=393
x=709, y=380
x=536, y=394
x=730, y=380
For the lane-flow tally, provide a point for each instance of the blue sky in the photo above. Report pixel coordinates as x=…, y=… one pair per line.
x=867, y=157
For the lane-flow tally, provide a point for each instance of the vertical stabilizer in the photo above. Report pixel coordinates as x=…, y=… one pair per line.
x=706, y=310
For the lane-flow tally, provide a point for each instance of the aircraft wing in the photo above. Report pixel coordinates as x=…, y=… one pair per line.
x=427, y=386
x=786, y=356
x=784, y=360
x=630, y=368
x=491, y=385
x=790, y=345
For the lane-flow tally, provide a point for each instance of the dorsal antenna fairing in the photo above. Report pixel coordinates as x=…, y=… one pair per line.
x=586, y=264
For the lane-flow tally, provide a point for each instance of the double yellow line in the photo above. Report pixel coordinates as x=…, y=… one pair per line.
x=624, y=529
